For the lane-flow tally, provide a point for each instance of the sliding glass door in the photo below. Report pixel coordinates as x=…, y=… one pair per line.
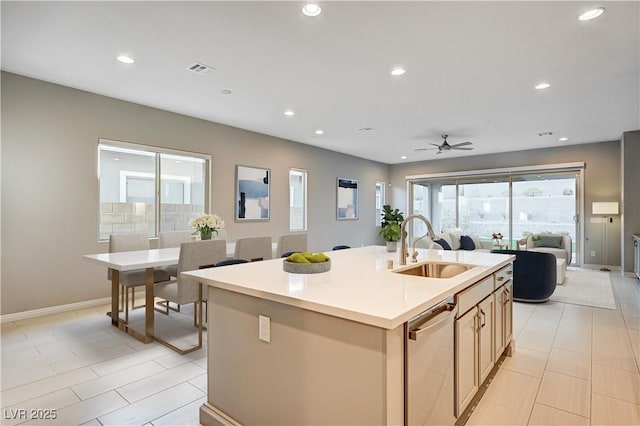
x=483, y=208
x=545, y=203
x=515, y=206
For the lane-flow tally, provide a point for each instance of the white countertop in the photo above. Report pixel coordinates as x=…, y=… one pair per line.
x=358, y=287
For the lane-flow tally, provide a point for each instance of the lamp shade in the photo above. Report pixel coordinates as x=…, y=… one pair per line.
x=604, y=208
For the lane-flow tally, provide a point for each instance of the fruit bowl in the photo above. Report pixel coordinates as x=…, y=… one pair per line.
x=306, y=268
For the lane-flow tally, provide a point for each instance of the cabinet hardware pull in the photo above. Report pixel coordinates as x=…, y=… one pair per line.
x=484, y=319
x=500, y=278
x=451, y=310
x=509, y=272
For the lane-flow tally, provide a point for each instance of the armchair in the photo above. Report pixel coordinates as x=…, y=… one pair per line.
x=534, y=275
x=557, y=244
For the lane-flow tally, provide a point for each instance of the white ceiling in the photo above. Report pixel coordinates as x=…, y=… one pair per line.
x=471, y=68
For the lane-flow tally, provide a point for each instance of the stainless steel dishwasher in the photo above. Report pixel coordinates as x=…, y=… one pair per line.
x=428, y=366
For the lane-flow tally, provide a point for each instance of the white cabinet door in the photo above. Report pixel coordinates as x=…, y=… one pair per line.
x=485, y=330
x=498, y=321
x=466, y=371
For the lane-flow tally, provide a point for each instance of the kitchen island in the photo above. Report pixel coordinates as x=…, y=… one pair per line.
x=322, y=348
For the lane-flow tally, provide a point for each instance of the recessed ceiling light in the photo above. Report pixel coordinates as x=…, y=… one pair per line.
x=591, y=14
x=311, y=9
x=289, y=113
x=319, y=132
x=398, y=71
x=403, y=157
x=365, y=129
x=226, y=92
x=541, y=86
x=563, y=139
x=125, y=59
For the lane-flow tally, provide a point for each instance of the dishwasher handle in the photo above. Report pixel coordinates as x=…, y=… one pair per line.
x=448, y=312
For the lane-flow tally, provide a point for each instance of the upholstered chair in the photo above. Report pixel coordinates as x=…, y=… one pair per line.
x=534, y=275
x=290, y=243
x=129, y=280
x=253, y=248
x=193, y=255
x=169, y=239
x=229, y=262
x=557, y=244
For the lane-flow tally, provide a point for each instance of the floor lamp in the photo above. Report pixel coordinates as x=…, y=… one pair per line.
x=606, y=209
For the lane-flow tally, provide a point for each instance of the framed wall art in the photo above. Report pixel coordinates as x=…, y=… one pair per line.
x=347, y=199
x=252, y=193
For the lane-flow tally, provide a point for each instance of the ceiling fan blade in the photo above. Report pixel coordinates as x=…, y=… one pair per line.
x=425, y=149
x=461, y=149
x=461, y=144
x=435, y=144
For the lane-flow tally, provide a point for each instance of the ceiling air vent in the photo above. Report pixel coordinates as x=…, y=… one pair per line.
x=199, y=68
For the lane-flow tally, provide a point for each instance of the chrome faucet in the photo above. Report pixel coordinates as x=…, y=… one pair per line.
x=403, y=235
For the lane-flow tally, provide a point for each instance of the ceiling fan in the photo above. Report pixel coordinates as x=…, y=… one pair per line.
x=445, y=146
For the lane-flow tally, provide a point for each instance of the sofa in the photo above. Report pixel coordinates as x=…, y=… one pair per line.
x=556, y=244
x=534, y=275
x=454, y=241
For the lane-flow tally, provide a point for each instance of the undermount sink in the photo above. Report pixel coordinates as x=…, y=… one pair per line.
x=434, y=269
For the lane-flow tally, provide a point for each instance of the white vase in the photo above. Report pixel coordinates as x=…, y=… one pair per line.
x=392, y=246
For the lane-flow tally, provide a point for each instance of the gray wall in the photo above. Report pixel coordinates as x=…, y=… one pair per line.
x=602, y=183
x=50, y=191
x=630, y=158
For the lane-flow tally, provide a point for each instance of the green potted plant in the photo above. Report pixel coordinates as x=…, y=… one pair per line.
x=390, y=228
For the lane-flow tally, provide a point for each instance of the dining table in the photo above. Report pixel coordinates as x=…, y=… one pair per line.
x=148, y=260
x=128, y=261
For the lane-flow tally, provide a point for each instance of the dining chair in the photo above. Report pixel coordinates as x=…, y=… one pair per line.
x=129, y=280
x=289, y=253
x=220, y=235
x=168, y=239
x=253, y=248
x=228, y=262
x=193, y=255
x=289, y=243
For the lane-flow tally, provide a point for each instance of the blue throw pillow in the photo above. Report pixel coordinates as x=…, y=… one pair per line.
x=445, y=245
x=466, y=242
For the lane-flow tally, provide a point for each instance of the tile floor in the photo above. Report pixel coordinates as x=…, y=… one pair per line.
x=573, y=365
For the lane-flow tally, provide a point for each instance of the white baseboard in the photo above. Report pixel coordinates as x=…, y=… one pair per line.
x=54, y=310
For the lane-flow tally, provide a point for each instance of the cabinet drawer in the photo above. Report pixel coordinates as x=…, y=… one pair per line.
x=503, y=275
x=471, y=296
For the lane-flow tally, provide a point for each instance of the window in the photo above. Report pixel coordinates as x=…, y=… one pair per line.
x=297, y=200
x=380, y=201
x=515, y=203
x=146, y=189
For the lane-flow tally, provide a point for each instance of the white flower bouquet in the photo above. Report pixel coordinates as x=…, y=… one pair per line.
x=207, y=224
